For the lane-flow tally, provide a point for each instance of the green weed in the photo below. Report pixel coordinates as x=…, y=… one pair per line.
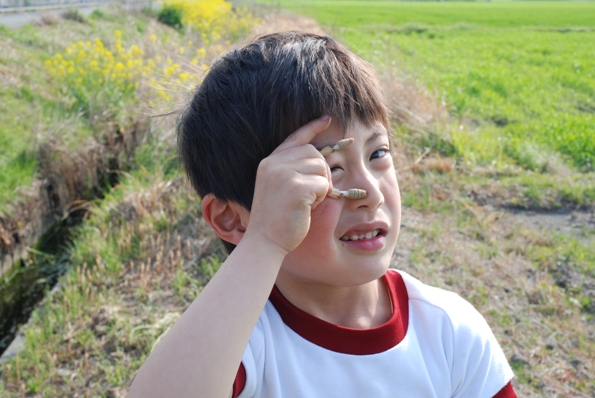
x=74, y=15
x=171, y=16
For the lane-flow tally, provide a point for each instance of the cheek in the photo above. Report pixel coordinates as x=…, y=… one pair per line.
x=319, y=239
x=395, y=195
x=323, y=223
x=393, y=201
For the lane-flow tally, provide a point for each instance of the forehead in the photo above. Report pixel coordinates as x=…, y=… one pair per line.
x=357, y=130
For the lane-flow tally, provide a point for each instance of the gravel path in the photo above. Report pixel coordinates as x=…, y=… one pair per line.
x=17, y=19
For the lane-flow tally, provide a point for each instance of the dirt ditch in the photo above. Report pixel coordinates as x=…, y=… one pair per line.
x=46, y=213
x=67, y=179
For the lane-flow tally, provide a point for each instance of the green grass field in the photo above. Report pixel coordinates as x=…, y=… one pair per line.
x=518, y=76
x=488, y=14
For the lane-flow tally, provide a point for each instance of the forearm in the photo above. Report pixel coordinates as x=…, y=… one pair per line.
x=200, y=355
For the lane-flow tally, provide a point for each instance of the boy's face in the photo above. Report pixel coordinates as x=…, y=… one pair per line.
x=350, y=242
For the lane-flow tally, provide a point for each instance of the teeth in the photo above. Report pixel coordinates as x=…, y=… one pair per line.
x=368, y=235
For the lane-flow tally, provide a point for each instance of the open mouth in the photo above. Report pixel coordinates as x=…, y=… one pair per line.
x=354, y=236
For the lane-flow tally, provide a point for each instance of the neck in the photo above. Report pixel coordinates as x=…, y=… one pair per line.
x=358, y=307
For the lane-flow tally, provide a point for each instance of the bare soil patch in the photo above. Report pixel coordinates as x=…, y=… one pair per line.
x=580, y=224
x=283, y=21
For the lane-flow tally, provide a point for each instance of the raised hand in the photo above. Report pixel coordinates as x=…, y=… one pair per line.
x=290, y=182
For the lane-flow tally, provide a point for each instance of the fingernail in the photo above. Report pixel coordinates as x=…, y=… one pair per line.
x=324, y=118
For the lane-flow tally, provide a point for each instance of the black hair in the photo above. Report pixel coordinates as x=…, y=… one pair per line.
x=255, y=96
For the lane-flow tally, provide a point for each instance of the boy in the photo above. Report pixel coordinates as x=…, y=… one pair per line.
x=305, y=305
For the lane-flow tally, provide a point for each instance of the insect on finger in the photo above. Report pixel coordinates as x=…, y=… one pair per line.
x=353, y=193
x=327, y=150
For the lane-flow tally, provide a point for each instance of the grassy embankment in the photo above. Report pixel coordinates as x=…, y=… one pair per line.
x=144, y=254
x=496, y=108
x=36, y=109
x=92, y=333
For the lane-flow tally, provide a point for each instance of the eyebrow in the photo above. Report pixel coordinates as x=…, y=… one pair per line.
x=374, y=136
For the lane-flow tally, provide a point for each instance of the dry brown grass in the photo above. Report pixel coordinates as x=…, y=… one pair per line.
x=49, y=18
x=412, y=107
x=8, y=76
x=484, y=259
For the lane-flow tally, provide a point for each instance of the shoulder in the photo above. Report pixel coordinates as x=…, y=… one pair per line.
x=439, y=318
x=439, y=302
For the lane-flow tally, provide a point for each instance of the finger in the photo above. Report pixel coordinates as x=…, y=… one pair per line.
x=319, y=188
x=297, y=153
x=311, y=166
x=316, y=167
x=306, y=133
x=330, y=178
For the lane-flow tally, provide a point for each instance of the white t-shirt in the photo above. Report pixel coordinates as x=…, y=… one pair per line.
x=434, y=345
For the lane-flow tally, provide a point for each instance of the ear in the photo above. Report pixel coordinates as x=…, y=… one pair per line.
x=228, y=219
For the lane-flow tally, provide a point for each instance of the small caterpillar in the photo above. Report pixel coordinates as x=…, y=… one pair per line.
x=353, y=193
x=327, y=150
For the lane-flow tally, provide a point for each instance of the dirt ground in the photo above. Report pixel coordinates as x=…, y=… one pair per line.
x=526, y=309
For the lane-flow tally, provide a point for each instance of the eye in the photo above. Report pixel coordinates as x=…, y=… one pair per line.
x=335, y=168
x=379, y=153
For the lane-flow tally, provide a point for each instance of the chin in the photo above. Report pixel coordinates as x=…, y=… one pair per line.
x=365, y=274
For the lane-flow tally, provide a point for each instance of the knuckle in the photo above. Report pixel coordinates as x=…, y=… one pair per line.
x=264, y=163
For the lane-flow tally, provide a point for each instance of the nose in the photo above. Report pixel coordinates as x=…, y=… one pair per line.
x=366, y=179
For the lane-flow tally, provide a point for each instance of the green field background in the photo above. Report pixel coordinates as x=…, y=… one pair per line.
x=488, y=14
x=519, y=75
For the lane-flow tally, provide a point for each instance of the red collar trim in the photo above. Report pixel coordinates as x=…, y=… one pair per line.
x=347, y=340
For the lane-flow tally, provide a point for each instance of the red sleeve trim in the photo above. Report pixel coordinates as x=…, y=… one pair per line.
x=240, y=381
x=506, y=392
